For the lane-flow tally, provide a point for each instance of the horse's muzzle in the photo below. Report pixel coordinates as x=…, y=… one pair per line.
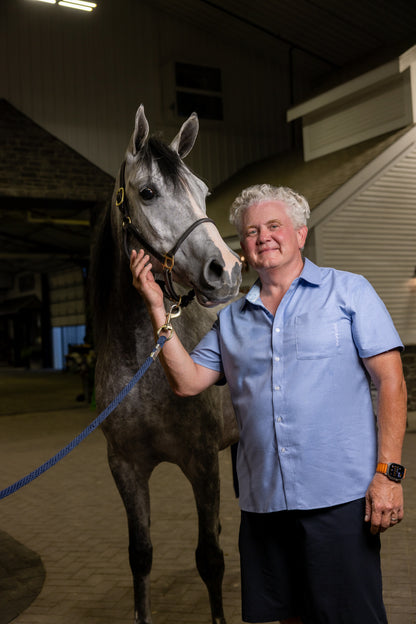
x=218, y=284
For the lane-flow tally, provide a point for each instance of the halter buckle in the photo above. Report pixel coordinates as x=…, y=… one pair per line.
x=168, y=263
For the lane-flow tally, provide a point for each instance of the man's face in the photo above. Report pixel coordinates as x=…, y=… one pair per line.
x=269, y=239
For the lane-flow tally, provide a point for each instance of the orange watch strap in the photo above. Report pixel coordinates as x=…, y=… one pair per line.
x=382, y=468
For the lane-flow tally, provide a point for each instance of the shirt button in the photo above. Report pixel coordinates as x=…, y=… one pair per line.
x=279, y=419
x=283, y=450
x=277, y=358
x=277, y=387
x=277, y=330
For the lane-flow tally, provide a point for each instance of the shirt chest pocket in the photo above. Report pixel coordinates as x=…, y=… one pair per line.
x=317, y=336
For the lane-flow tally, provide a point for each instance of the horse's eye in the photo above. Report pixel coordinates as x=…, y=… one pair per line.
x=147, y=193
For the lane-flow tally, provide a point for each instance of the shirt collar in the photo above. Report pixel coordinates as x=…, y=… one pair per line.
x=311, y=273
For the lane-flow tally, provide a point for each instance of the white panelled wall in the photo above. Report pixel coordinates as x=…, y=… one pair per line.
x=374, y=233
x=368, y=224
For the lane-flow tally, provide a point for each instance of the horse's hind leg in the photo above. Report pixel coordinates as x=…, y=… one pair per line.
x=133, y=486
x=204, y=477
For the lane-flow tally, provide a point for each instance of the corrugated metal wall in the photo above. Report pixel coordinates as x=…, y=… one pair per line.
x=82, y=76
x=375, y=235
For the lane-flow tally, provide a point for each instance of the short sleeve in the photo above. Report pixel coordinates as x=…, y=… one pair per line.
x=373, y=329
x=207, y=352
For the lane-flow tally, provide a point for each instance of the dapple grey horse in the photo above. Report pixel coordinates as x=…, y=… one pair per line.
x=159, y=204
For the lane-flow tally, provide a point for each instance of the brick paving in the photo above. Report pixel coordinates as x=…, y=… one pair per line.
x=72, y=518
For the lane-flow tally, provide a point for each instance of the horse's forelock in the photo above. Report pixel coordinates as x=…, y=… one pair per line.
x=167, y=159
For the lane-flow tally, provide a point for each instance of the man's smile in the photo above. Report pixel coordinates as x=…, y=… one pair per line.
x=268, y=249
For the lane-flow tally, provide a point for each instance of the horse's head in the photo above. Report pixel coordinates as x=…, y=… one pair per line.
x=162, y=209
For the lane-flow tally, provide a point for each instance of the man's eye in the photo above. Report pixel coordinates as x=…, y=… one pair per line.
x=251, y=232
x=147, y=193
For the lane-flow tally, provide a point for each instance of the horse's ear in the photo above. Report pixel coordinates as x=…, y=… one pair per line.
x=185, y=139
x=141, y=131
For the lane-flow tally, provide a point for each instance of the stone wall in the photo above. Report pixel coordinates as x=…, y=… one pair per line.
x=409, y=367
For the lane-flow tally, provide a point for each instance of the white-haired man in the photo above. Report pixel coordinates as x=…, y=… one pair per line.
x=318, y=480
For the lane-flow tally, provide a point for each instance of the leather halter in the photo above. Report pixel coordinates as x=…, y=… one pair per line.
x=167, y=259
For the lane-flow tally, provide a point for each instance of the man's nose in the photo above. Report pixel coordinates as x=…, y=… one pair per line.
x=262, y=234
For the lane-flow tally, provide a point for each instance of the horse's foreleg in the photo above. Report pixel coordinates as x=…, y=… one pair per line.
x=209, y=556
x=134, y=491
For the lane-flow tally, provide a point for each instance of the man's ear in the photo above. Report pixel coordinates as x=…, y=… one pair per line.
x=302, y=233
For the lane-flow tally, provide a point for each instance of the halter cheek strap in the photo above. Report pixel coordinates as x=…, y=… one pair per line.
x=167, y=259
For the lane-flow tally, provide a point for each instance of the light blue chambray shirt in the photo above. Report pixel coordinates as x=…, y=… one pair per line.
x=299, y=388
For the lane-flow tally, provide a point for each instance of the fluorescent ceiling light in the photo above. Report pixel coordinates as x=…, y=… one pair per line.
x=82, y=3
x=73, y=4
x=77, y=4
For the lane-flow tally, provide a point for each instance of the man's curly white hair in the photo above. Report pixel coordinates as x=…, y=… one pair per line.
x=296, y=205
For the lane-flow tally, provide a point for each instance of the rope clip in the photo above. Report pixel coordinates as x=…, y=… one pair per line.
x=174, y=312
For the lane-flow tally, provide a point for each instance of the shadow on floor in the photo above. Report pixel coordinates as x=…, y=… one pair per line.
x=21, y=577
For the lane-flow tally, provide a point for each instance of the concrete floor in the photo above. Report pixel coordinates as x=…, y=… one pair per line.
x=70, y=524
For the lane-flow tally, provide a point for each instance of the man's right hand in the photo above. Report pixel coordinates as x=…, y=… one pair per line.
x=144, y=281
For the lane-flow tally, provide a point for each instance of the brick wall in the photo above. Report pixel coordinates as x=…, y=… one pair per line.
x=35, y=164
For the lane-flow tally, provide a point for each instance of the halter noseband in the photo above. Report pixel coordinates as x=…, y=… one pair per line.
x=167, y=259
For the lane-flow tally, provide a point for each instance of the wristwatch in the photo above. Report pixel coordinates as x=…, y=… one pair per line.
x=394, y=472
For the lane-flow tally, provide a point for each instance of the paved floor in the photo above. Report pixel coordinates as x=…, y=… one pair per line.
x=72, y=518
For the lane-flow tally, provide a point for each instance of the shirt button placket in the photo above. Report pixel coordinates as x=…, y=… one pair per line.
x=277, y=388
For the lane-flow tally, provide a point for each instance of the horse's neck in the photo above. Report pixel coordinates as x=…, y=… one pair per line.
x=123, y=309
x=126, y=303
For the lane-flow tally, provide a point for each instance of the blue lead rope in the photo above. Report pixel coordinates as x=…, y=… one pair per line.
x=91, y=427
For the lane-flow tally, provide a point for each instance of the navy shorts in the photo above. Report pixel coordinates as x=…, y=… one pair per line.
x=321, y=565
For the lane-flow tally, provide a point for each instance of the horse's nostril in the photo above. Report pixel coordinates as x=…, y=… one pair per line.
x=215, y=268
x=213, y=272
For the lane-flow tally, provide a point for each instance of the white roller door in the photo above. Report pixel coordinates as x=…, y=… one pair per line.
x=67, y=298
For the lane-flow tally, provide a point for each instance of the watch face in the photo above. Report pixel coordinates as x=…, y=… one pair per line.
x=396, y=471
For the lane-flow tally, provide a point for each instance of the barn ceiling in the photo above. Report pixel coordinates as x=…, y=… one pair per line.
x=338, y=33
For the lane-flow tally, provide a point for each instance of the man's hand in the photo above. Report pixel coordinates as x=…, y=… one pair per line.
x=143, y=279
x=383, y=503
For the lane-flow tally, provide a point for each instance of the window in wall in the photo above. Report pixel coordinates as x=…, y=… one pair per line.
x=199, y=89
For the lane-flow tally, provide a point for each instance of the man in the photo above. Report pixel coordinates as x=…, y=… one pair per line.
x=315, y=476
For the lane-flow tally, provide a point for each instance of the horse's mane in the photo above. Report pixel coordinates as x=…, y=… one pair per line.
x=101, y=273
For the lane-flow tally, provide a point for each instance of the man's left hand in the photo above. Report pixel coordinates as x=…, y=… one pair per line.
x=383, y=504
